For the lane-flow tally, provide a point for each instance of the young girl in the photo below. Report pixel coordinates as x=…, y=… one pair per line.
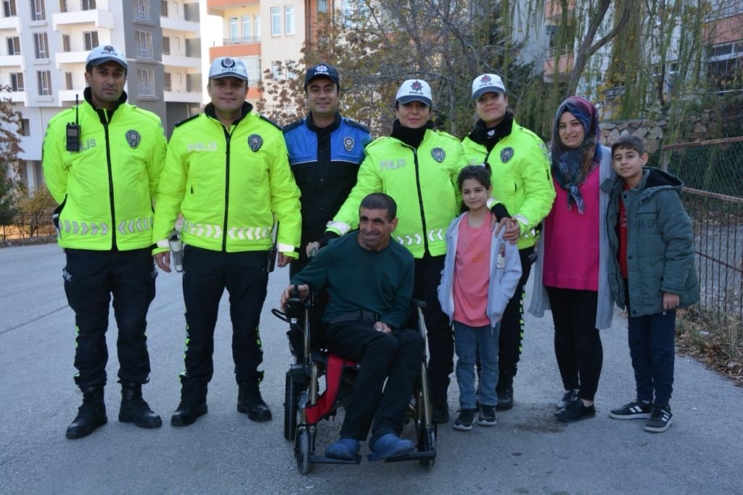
x=481, y=272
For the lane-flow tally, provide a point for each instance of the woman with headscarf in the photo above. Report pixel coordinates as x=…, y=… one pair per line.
x=570, y=275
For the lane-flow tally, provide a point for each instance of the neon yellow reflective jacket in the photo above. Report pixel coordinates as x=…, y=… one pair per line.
x=521, y=178
x=229, y=184
x=105, y=190
x=422, y=182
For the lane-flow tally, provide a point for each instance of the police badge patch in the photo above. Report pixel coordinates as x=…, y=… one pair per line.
x=348, y=143
x=255, y=142
x=506, y=154
x=133, y=138
x=438, y=154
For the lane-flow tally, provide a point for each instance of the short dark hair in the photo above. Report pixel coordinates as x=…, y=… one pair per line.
x=380, y=201
x=629, y=142
x=481, y=173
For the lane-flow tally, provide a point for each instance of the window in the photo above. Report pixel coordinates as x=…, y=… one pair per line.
x=146, y=82
x=275, y=21
x=144, y=44
x=257, y=24
x=91, y=40
x=63, y=5
x=142, y=9
x=247, y=29
x=88, y=5
x=16, y=81
x=290, y=66
x=24, y=127
x=37, y=10
x=289, y=20
x=167, y=82
x=41, y=45
x=44, y=81
x=65, y=42
x=166, y=45
x=276, y=70
x=322, y=6
x=9, y=8
x=68, y=81
x=164, y=8
x=253, y=65
x=234, y=30
x=14, y=45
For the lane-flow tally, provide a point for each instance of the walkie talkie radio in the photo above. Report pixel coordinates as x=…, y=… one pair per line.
x=73, y=131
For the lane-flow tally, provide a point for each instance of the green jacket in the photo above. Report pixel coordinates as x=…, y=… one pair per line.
x=521, y=177
x=660, y=250
x=422, y=181
x=105, y=190
x=229, y=184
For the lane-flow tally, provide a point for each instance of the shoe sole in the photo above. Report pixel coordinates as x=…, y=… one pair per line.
x=460, y=427
x=75, y=436
x=258, y=418
x=575, y=420
x=146, y=426
x=629, y=416
x=486, y=423
x=181, y=422
x=653, y=429
x=504, y=407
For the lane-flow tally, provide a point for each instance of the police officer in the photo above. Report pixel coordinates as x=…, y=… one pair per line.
x=523, y=187
x=102, y=161
x=325, y=152
x=229, y=176
x=418, y=167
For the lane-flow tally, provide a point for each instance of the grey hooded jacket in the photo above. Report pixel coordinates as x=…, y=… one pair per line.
x=660, y=251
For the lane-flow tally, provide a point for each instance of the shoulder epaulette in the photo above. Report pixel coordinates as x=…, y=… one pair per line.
x=293, y=125
x=446, y=135
x=358, y=125
x=271, y=122
x=61, y=115
x=152, y=115
x=377, y=141
x=187, y=120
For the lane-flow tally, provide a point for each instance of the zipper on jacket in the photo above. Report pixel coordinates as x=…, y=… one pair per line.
x=420, y=201
x=110, y=180
x=227, y=135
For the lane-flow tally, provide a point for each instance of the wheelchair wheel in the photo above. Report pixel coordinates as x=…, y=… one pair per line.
x=427, y=443
x=303, y=449
x=291, y=407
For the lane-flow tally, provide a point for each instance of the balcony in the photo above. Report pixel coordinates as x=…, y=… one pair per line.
x=559, y=64
x=63, y=58
x=11, y=24
x=20, y=97
x=68, y=96
x=182, y=97
x=182, y=61
x=99, y=18
x=216, y=7
x=553, y=9
x=13, y=61
x=179, y=25
x=252, y=49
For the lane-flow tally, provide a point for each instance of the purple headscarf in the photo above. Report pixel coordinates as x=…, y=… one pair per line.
x=571, y=166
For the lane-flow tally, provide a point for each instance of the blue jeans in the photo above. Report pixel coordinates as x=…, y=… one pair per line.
x=652, y=349
x=468, y=341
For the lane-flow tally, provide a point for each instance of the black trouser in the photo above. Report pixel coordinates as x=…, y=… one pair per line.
x=578, y=348
x=440, y=335
x=91, y=278
x=206, y=275
x=397, y=355
x=512, y=325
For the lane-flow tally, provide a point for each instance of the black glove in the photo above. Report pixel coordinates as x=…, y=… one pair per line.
x=323, y=241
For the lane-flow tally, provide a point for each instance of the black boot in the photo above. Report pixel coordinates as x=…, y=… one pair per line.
x=90, y=415
x=250, y=402
x=134, y=409
x=504, y=390
x=186, y=414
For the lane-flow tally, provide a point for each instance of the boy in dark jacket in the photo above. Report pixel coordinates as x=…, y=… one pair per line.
x=651, y=273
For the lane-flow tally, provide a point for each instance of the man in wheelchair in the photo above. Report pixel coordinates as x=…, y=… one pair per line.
x=370, y=283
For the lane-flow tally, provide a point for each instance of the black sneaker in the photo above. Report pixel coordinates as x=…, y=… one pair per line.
x=505, y=398
x=568, y=397
x=660, y=419
x=575, y=411
x=464, y=420
x=487, y=416
x=634, y=410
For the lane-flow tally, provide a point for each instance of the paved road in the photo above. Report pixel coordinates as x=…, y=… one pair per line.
x=527, y=453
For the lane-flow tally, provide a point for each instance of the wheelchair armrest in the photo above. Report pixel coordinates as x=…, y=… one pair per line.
x=417, y=303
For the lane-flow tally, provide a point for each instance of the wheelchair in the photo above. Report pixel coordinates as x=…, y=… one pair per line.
x=305, y=405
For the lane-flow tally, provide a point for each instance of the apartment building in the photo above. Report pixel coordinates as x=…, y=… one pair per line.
x=46, y=43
